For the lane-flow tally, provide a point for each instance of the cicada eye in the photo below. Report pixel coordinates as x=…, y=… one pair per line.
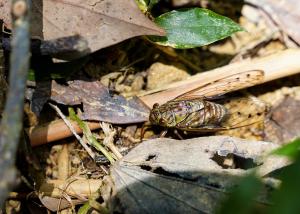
x=162, y=121
x=156, y=105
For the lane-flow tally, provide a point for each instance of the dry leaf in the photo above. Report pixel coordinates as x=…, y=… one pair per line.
x=285, y=13
x=190, y=176
x=98, y=103
x=98, y=23
x=283, y=124
x=57, y=204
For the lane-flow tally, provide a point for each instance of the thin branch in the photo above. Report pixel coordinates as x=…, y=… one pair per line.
x=11, y=123
x=68, y=123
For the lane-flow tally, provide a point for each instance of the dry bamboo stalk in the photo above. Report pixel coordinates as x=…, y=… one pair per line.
x=55, y=130
x=282, y=64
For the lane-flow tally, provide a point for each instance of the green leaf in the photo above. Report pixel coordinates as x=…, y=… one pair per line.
x=85, y=209
x=241, y=200
x=290, y=150
x=31, y=75
x=286, y=198
x=194, y=27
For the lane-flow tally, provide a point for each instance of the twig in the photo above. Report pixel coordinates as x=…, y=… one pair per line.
x=67, y=122
x=11, y=123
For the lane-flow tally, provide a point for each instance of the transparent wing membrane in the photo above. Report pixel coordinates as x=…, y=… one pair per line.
x=225, y=85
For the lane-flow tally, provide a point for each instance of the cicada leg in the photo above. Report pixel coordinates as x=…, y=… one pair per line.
x=163, y=133
x=178, y=135
x=143, y=130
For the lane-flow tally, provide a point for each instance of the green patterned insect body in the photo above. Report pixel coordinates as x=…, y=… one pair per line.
x=188, y=114
x=194, y=111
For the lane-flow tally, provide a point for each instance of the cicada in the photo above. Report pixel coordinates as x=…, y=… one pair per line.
x=199, y=111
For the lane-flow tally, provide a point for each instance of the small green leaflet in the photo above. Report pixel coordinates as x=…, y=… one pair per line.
x=291, y=150
x=195, y=27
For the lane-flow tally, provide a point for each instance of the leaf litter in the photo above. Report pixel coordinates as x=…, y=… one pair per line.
x=202, y=167
x=283, y=123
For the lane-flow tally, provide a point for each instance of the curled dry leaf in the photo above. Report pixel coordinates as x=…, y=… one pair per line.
x=98, y=103
x=60, y=194
x=98, y=23
x=190, y=176
x=57, y=204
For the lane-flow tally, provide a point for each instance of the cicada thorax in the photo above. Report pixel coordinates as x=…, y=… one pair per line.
x=188, y=114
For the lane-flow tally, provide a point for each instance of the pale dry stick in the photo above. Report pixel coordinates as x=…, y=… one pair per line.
x=79, y=187
x=275, y=66
x=109, y=139
x=67, y=122
x=63, y=163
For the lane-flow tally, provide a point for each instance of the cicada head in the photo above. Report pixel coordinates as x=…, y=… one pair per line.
x=155, y=115
x=160, y=115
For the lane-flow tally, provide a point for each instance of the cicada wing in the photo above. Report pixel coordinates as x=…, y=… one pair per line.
x=206, y=129
x=244, y=112
x=224, y=85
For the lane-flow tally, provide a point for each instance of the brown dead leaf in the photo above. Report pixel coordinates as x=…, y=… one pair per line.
x=57, y=204
x=99, y=23
x=190, y=176
x=285, y=14
x=98, y=103
x=283, y=124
